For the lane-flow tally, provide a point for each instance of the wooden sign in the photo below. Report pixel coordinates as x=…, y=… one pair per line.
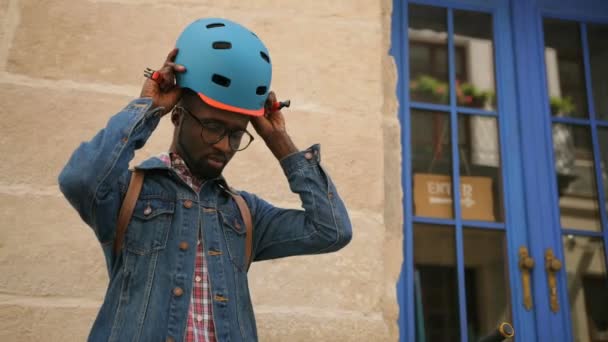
x=433, y=197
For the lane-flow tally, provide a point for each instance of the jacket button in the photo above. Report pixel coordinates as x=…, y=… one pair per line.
x=177, y=292
x=183, y=245
x=188, y=204
x=308, y=155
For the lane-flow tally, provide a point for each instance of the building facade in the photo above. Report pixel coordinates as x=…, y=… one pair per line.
x=508, y=97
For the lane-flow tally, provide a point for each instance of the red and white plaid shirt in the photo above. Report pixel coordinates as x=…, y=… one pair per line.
x=200, y=326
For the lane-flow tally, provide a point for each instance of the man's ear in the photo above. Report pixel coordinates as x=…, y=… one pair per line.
x=176, y=115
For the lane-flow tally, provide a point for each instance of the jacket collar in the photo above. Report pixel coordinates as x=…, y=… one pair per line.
x=154, y=163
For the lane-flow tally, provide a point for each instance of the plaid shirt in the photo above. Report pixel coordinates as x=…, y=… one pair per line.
x=200, y=326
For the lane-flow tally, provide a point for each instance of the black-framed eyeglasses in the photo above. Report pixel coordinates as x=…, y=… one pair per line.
x=213, y=132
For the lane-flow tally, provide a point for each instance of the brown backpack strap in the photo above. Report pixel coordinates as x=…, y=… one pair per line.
x=126, y=210
x=246, y=214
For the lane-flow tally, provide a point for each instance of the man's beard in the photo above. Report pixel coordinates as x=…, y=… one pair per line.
x=198, y=167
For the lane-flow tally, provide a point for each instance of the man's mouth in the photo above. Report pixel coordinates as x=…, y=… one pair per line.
x=216, y=161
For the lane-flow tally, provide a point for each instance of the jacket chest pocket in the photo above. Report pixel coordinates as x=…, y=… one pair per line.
x=149, y=228
x=235, y=232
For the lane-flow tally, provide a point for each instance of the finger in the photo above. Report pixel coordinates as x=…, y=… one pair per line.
x=167, y=79
x=270, y=100
x=272, y=97
x=175, y=67
x=171, y=56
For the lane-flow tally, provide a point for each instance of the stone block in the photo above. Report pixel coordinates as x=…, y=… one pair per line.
x=350, y=153
x=42, y=127
x=338, y=10
x=321, y=59
x=312, y=324
x=41, y=319
x=54, y=253
x=350, y=279
x=46, y=250
x=64, y=319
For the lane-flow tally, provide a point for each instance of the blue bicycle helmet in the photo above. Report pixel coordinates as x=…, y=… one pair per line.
x=226, y=64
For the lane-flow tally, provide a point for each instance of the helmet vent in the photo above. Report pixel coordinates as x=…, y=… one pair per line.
x=265, y=56
x=214, y=25
x=261, y=90
x=220, y=80
x=222, y=45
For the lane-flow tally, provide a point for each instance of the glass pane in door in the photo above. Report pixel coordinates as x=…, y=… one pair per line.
x=453, y=101
x=576, y=76
x=587, y=287
x=480, y=169
x=436, y=283
x=598, y=55
x=431, y=164
x=565, y=69
x=485, y=258
x=428, y=46
x=575, y=177
x=474, y=57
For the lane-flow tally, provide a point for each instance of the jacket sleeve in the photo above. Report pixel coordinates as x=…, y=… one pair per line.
x=96, y=175
x=323, y=226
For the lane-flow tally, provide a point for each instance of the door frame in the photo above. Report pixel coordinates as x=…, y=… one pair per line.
x=520, y=72
x=544, y=215
x=512, y=177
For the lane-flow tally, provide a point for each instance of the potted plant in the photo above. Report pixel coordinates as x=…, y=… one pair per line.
x=470, y=96
x=562, y=106
x=428, y=89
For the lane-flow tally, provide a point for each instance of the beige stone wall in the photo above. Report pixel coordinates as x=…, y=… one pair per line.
x=67, y=65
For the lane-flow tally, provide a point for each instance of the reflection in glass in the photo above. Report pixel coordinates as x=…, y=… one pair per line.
x=480, y=168
x=565, y=72
x=597, y=36
x=603, y=142
x=587, y=287
x=475, y=80
x=431, y=164
x=428, y=54
x=575, y=176
x=436, y=284
x=488, y=294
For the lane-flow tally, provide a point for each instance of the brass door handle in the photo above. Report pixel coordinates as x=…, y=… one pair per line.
x=526, y=263
x=552, y=266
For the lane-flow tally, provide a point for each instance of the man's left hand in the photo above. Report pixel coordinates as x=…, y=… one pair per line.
x=271, y=128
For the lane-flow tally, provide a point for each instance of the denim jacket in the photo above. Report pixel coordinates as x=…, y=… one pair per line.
x=151, y=278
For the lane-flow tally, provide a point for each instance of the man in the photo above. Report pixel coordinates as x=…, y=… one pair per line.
x=181, y=274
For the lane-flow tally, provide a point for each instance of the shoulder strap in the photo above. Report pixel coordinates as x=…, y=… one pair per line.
x=126, y=210
x=246, y=214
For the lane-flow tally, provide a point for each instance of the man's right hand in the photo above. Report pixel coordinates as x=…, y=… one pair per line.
x=164, y=93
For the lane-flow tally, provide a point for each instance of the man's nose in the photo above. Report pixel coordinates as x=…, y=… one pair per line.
x=224, y=145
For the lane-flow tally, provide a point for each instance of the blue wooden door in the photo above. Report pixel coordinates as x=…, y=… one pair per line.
x=503, y=106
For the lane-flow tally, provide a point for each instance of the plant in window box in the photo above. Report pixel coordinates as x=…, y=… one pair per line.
x=470, y=96
x=428, y=89
x=562, y=106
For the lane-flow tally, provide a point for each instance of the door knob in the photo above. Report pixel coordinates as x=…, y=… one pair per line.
x=552, y=266
x=526, y=264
